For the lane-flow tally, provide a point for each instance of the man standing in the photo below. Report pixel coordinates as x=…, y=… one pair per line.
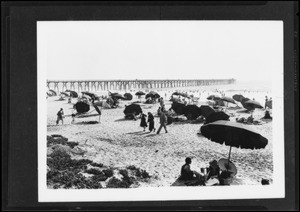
x=163, y=122
x=60, y=116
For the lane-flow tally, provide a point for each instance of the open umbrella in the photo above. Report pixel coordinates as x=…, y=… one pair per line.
x=81, y=107
x=228, y=99
x=192, y=112
x=53, y=92
x=253, y=104
x=213, y=97
x=128, y=96
x=177, y=93
x=153, y=95
x=74, y=94
x=66, y=94
x=234, y=135
x=206, y=110
x=133, y=108
x=238, y=97
x=245, y=105
x=140, y=93
x=92, y=95
x=216, y=116
x=117, y=96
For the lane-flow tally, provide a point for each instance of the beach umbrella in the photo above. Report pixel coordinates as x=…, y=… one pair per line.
x=177, y=93
x=192, y=112
x=216, y=116
x=253, y=104
x=213, y=97
x=206, y=110
x=233, y=134
x=66, y=94
x=74, y=94
x=153, y=95
x=133, y=108
x=269, y=104
x=117, y=96
x=81, y=107
x=102, y=104
x=238, y=97
x=128, y=96
x=179, y=108
x=140, y=93
x=53, y=92
x=228, y=99
x=245, y=105
x=92, y=95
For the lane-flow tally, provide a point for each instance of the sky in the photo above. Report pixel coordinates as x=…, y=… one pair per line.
x=91, y=50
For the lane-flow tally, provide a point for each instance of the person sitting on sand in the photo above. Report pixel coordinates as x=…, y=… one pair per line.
x=186, y=172
x=60, y=116
x=151, y=122
x=143, y=121
x=250, y=119
x=267, y=115
x=213, y=170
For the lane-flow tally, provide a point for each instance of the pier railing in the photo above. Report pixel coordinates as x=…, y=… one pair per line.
x=123, y=85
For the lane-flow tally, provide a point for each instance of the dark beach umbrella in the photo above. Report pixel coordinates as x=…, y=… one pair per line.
x=153, y=95
x=140, y=93
x=213, y=97
x=228, y=99
x=53, y=92
x=74, y=94
x=117, y=96
x=269, y=104
x=177, y=93
x=66, y=94
x=233, y=134
x=92, y=95
x=238, y=97
x=206, y=110
x=133, y=108
x=82, y=107
x=245, y=105
x=179, y=108
x=253, y=104
x=216, y=116
x=192, y=112
x=128, y=96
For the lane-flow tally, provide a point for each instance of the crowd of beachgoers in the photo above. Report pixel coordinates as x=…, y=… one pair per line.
x=163, y=137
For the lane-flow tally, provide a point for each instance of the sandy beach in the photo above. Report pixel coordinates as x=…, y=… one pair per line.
x=119, y=143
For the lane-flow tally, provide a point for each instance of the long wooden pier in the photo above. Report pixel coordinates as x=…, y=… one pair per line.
x=124, y=85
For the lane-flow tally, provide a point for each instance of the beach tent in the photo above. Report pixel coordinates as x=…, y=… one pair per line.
x=128, y=96
x=192, y=112
x=133, y=108
x=206, y=110
x=216, y=116
x=81, y=107
x=234, y=135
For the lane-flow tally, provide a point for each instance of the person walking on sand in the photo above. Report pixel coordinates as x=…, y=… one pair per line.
x=60, y=116
x=163, y=122
x=162, y=104
x=143, y=121
x=151, y=122
x=73, y=116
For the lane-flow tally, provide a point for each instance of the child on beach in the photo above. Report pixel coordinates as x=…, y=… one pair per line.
x=143, y=121
x=151, y=122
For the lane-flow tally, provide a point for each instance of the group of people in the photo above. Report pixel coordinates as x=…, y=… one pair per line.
x=211, y=175
x=162, y=119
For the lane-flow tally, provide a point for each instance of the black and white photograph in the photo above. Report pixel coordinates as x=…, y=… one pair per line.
x=160, y=110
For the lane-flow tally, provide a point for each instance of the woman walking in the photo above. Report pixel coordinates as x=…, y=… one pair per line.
x=151, y=122
x=143, y=121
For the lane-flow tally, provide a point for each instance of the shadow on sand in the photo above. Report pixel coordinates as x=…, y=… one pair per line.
x=87, y=122
x=123, y=119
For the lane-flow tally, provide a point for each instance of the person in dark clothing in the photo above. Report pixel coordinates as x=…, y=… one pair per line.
x=186, y=172
x=143, y=121
x=60, y=116
x=151, y=122
x=163, y=122
x=213, y=170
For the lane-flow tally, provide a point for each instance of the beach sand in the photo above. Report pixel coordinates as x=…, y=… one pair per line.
x=117, y=142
